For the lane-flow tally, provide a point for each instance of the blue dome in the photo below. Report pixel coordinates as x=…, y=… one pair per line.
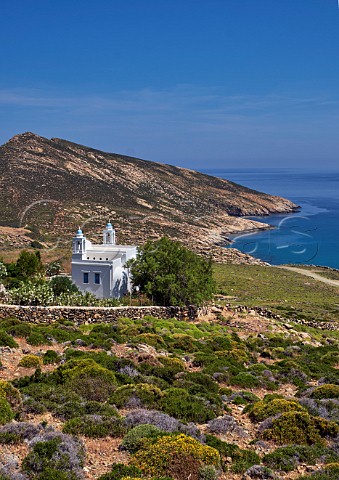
x=79, y=232
x=109, y=225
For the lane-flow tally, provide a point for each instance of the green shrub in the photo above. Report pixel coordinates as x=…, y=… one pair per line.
x=264, y=409
x=11, y=394
x=175, y=455
x=30, y=361
x=288, y=458
x=119, y=471
x=21, y=330
x=200, y=381
x=61, y=284
x=181, y=342
x=208, y=472
x=151, y=339
x=134, y=439
x=36, y=338
x=6, y=413
x=140, y=394
x=301, y=428
x=178, y=403
x=241, y=459
x=245, y=380
x=242, y=398
x=55, y=452
x=88, y=379
x=94, y=426
x=326, y=391
x=54, y=474
x=9, y=438
x=6, y=340
x=171, y=366
x=51, y=357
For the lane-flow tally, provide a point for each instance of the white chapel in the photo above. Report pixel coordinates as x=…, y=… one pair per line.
x=100, y=269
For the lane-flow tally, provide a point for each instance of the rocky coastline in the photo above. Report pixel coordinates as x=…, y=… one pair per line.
x=145, y=200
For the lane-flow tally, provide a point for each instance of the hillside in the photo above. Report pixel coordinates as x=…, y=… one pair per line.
x=52, y=186
x=144, y=398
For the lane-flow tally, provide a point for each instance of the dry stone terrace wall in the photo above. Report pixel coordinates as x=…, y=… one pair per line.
x=81, y=315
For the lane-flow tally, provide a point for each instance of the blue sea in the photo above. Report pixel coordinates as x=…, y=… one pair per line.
x=310, y=236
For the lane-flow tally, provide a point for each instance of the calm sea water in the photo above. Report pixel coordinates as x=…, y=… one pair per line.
x=310, y=236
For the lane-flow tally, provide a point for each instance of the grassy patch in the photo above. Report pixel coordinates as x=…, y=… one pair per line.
x=288, y=293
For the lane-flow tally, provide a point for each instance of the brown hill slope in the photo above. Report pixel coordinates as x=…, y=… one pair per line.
x=51, y=186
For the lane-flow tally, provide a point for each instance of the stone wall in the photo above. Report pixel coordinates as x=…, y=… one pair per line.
x=80, y=315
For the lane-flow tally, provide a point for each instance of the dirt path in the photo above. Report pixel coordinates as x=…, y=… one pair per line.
x=308, y=273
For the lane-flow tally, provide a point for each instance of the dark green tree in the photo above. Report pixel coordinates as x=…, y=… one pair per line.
x=62, y=284
x=171, y=274
x=29, y=264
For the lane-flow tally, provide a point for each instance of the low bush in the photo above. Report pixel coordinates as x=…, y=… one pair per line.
x=301, y=428
x=134, y=439
x=30, y=361
x=152, y=417
x=162, y=421
x=258, y=472
x=245, y=380
x=59, y=400
x=151, y=339
x=137, y=395
x=196, y=382
x=326, y=391
x=88, y=379
x=176, y=455
x=120, y=471
x=17, y=432
x=21, y=330
x=208, y=472
x=171, y=367
x=54, y=451
x=225, y=424
x=6, y=340
x=36, y=339
x=264, y=409
x=327, y=408
x=290, y=457
x=181, y=342
x=12, y=395
x=55, y=474
x=51, y=357
x=240, y=398
x=94, y=426
x=241, y=459
x=189, y=408
x=6, y=413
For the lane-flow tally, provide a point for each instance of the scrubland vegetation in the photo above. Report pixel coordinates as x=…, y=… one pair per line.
x=226, y=397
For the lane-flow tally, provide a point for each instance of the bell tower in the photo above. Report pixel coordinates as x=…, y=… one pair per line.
x=109, y=235
x=79, y=245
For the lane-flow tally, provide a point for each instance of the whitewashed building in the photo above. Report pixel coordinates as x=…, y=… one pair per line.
x=100, y=269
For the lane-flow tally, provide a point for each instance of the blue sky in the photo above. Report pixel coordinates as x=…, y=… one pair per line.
x=197, y=83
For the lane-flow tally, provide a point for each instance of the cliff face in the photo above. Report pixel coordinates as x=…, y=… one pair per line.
x=54, y=185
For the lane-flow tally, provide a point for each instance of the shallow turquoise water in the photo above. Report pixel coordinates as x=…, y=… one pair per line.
x=310, y=236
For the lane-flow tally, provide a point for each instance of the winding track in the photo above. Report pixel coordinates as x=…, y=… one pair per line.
x=308, y=273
